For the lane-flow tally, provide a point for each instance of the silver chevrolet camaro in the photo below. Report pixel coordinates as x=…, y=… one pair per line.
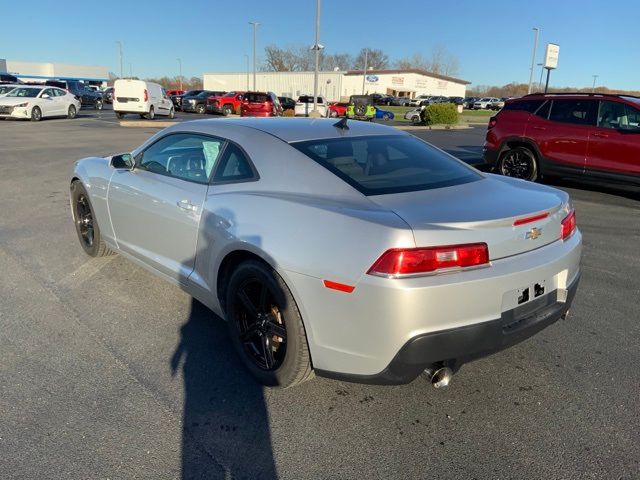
x=349, y=250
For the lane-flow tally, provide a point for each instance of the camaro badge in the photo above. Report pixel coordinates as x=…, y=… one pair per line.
x=533, y=233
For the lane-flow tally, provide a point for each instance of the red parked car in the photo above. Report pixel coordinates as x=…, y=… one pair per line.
x=225, y=104
x=260, y=104
x=576, y=135
x=174, y=92
x=337, y=109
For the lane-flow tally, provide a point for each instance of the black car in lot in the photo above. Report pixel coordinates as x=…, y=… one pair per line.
x=177, y=99
x=108, y=95
x=87, y=97
x=287, y=103
x=198, y=103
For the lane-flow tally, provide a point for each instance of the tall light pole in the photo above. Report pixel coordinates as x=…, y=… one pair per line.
x=120, y=48
x=533, y=58
x=364, y=71
x=541, y=65
x=317, y=48
x=593, y=87
x=180, y=71
x=255, y=26
x=247, y=57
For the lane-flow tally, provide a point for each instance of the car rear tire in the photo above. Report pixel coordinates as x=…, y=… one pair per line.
x=36, y=114
x=86, y=223
x=99, y=105
x=333, y=114
x=151, y=115
x=227, y=110
x=519, y=162
x=200, y=109
x=119, y=115
x=266, y=327
x=415, y=120
x=71, y=113
x=172, y=113
x=386, y=116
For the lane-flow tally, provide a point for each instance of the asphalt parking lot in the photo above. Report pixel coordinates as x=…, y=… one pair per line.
x=108, y=372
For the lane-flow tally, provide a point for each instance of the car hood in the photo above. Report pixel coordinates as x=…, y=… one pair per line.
x=482, y=211
x=15, y=100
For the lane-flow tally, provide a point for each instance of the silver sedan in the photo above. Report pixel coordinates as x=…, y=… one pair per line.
x=349, y=250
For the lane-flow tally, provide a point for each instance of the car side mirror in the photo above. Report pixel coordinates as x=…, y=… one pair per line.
x=45, y=95
x=123, y=161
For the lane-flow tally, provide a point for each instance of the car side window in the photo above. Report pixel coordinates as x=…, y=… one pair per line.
x=633, y=118
x=234, y=166
x=612, y=115
x=59, y=93
x=543, y=111
x=578, y=112
x=186, y=156
x=48, y=91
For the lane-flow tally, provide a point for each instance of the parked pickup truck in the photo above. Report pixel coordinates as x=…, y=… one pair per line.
x=225, y=104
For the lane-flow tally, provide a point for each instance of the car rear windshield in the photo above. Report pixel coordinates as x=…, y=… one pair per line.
x=384, y=164
x=524, y=105
x=256, y=97
x=308, y=99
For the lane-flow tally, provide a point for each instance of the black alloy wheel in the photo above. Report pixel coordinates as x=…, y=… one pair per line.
x=84, y=221
x=260, y=322
x=520, y=163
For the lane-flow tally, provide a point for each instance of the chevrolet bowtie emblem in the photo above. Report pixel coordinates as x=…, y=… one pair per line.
x=533, y=233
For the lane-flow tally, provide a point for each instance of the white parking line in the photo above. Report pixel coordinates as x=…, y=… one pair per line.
x=84, y=272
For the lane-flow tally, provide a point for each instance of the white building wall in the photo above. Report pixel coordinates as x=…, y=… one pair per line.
x=38, y=70
x=284, y=84
x=409, y=84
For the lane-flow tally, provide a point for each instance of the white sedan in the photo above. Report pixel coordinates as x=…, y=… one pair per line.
x=37, y=102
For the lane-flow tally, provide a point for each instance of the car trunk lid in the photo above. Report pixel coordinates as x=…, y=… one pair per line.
x=510, y=216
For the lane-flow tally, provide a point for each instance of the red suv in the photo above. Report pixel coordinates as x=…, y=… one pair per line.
x=225, y=104
x=576, y=135
x=260, y=104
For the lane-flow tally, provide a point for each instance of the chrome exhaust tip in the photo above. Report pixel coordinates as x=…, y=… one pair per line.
x=439, y=376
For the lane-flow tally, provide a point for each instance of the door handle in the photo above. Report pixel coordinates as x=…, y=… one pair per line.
x=187, y=205
x=601, y=135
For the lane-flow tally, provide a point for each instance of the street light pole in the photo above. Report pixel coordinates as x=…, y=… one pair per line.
x=247, y=57
x=541, y=65
x=593, y=87
x=317, y=49
x=255, y=26
x=180, y=72
x=533, y=58
x=364, y=72
x=120, y=48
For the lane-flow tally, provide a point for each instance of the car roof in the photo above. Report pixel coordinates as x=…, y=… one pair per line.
x=298, y=129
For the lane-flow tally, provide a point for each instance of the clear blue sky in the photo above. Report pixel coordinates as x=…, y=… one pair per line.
x=492, y=39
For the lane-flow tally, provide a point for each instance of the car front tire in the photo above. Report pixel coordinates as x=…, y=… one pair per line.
x=99, y=105
x=266, y=327
x=85, y=222
x=36, y=114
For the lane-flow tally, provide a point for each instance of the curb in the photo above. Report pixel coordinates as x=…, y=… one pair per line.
x=146, y=123
x=434, y=127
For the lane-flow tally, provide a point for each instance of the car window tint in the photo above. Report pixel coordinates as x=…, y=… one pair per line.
x=59, y=93
x=633, y=118
x=612, y=115
x=543, y=111
x=377, y=165
x=234, y=166
x=579, y=112
x=525, y=105
x=256, y=97
x=186, y=156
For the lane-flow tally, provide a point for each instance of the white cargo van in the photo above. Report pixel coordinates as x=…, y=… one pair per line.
x=144, y=98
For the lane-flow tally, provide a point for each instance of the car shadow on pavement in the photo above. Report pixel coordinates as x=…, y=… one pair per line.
x=225, y=430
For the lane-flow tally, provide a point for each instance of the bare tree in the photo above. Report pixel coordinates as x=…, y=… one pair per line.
x=415, y=61
x=443, y=61
x=341, y=61
x=376, y=59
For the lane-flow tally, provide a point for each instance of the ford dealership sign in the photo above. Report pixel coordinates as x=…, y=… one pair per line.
x=372, y=78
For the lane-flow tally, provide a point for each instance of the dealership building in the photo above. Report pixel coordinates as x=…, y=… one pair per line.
x=335, y=85
x=38, y=72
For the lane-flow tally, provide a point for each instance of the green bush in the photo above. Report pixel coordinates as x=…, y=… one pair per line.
x=440, y=114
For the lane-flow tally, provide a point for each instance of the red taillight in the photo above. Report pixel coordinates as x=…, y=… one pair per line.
x=414, y=261
x=146, y=95
x=492, y=123
x=534, y=218
x=568, y=225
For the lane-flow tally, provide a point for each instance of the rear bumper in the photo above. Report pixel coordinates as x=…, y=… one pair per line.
x=457, y=346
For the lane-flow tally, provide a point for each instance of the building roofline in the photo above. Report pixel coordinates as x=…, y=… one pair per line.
x=411, y=70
